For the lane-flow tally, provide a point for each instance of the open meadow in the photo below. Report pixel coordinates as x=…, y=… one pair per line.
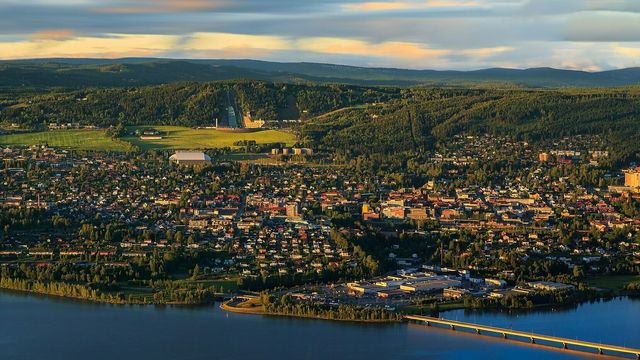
x=174, y=137
x=177, y=137
x=95, y=140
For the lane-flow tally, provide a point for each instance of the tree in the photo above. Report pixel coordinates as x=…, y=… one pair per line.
x=195, y=272
x=179, y=237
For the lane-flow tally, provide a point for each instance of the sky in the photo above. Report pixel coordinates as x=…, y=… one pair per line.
x=590, y=35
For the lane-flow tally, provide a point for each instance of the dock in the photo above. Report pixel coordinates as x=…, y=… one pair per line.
x=563, y=343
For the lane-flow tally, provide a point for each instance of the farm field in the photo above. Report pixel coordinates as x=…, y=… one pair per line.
x=94, y=140
x=177, y=137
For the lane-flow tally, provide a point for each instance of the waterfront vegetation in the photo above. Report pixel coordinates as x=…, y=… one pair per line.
x=633, y=289
x=130, y=284
x=536, y=299
x=74, y=291
x=431, y=307
x=539, y=299
x=613, y=282
x=288, y=307
x=168, y=293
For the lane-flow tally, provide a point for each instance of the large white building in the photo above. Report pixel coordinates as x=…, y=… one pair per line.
x=190, y=158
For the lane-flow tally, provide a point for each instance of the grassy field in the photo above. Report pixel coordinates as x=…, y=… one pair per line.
x=176, y=137
x=69, y=139
x=617, y=282
x=243, y=157
x=230, y=284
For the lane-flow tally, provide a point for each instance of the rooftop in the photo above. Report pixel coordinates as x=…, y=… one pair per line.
x=190, y=156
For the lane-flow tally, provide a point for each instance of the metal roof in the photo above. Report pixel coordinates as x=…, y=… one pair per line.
x=190, y=156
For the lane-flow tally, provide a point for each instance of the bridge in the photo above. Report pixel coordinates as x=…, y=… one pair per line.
x=531, y=337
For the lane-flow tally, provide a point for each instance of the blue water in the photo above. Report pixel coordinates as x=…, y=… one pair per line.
x=35, y=327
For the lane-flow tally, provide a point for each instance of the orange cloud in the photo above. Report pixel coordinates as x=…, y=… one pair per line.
x=228, y=45
x=236, y=42
x=452, y=3
x=58, y=34
x=378, y=6
x=389, y=49
x=633, y=52
x=110, y=46
x=162, y=6
x=484, y=52
x=402, y=5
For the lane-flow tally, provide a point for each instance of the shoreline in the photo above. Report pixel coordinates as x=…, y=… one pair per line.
x=104, y=301
x=258, y=311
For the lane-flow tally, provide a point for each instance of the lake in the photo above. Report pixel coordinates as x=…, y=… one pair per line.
x=37, y=327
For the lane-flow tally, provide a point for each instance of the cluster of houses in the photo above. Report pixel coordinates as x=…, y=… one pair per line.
x=291, y=151
x=67, y=126
x=277, y=219
x=263, y=228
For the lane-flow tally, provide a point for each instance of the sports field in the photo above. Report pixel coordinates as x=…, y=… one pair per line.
x=177, y=137
x=69, y=139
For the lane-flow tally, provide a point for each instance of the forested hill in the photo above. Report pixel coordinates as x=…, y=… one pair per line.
x=383, y=123
x=77, y=73
x=112, y=74
x=424, y=117
x=188, y=104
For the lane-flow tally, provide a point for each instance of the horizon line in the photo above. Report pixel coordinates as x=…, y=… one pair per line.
x=53, y=59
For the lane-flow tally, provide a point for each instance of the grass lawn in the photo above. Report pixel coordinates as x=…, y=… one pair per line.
x=144, y=293
x=243, y=157
x=136, y=293
x=250, y=304
x=177, y=137
x=616, y=282
x=69, y=139
x=230, y=284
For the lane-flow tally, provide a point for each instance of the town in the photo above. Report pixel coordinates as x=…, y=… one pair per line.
x=469, y=232
x=358, y=179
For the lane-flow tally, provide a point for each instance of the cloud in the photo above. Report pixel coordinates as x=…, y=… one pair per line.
x=110, y=46
x=377, y=6
x=225, y=45
x=442, y=34
x=632, y=52
x=404, y=5
x=603, y=26
x=614, y=5
x=55, y=34
x=390, y=49
x=160, y=6
x=242, y=45
x=486, y=52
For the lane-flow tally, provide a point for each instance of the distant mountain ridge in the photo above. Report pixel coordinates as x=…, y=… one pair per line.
x=150, y=71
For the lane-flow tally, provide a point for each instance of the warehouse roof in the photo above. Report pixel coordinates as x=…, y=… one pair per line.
x=190, y=156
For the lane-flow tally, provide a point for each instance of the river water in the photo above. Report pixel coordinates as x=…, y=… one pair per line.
x=38, y=328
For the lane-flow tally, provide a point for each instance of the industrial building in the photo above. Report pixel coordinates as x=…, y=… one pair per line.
x=632, y=178
x=436, y=284
x=190, y=158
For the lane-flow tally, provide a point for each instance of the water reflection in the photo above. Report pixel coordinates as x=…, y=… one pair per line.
x=35, y=327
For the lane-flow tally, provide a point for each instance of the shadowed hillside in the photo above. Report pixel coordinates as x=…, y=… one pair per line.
x=134, y=72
